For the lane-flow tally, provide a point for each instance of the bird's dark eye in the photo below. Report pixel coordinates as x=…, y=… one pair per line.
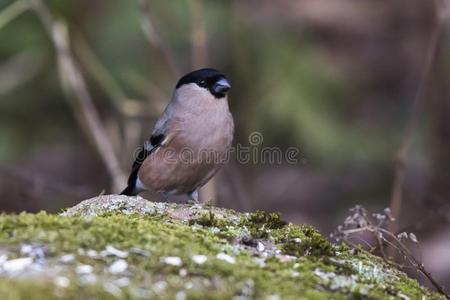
x=202, y=83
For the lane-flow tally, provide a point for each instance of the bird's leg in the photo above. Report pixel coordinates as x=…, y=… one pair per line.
x=165, y=196
x=193, y=197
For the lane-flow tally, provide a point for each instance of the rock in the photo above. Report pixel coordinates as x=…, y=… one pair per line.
x=172, y=260
x=118, y=266
x=116, y=246
x=227, y=258
x=17, y=265
x=199, y=259
x=140, y=206
x=110, y=250
x=84, y=269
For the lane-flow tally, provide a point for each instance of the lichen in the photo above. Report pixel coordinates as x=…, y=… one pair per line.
x=109, y=248
x=210, y=219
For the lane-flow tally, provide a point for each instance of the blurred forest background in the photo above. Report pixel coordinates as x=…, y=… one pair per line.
x=361, y=87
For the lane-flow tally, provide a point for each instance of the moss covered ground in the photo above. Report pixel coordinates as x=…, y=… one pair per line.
x=118, y=247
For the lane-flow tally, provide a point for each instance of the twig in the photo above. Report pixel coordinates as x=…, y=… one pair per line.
x=123, y=104
x=198, y=36
x=131, y=110
x=101, y=75
x=402, y=153
x=411, y=258
x=11, y=12
x=73, y=83
x=18, y=70
x=359, y=222
x=98, y=71
x=146, y=87
x=154, y=39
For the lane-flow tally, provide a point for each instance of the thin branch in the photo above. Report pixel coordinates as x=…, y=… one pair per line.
x=11, y=12
x=18, y=70
x=412, y=259
x=154, y=39
x=130, y=109
x=73, y=83
x=402, y=153
x=146, y=87
x=359, y=222
x=98, y=71
x=123, y=104
x=198, y=35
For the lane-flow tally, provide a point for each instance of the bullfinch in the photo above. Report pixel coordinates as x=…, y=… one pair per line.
x=190, y=141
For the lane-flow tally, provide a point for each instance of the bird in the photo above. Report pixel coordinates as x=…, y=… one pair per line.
x=190, y=141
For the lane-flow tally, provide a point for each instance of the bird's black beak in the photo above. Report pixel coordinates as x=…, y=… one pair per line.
x=221, y=86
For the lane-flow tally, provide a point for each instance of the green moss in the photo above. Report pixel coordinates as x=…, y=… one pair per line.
x=315, y=269
x=209, y=219
x=261, y=223
x=265, y=219
x=304, y=240
x=293, y=240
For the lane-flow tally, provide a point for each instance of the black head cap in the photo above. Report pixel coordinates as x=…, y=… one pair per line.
x=210, y=79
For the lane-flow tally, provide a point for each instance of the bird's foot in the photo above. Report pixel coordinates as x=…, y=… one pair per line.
x=193, y=198
x=194, y=202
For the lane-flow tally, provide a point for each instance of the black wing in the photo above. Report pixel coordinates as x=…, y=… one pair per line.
x=146, y=150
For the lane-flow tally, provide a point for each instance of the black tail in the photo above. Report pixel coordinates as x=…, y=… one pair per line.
x=129, y=191
x=145, y=151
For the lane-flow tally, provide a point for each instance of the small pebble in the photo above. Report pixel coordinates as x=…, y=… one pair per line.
x=3, y=259
x=116, y=252
x=17, y=265
x=141, y=293
x=180, y=295
x=189, y=285
x=403, y=296
x=225, y=257
x=88, y=278
x=118, y=266
x=113, y=289
x=29, y=250
x=92, y=253
x=61, y=281
x=199, y=259
x=172, y=260
x=122, y=282
x=140, y=251
x=261, y=262
x=26, y=249
x=84, y=269
x=285, y=258
x=260, y=247
x=159, y=286
x=67, y=258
